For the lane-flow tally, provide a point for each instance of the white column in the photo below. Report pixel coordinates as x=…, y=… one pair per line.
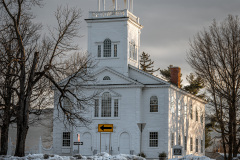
x=128, y=4
x=103, y=4
x=99, y=5
x=40, y=145
x=115, y=4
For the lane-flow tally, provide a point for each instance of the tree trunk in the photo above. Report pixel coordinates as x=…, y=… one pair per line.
x=4, y=137
x=22, y=129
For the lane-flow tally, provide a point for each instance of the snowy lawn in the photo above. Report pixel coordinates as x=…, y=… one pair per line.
x=192, y=157
x=100, y=156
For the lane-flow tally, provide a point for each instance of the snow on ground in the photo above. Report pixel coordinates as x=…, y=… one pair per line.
x=100, y=156
x=192, y=157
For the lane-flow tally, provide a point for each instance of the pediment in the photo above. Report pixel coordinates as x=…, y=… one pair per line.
x=108, y=76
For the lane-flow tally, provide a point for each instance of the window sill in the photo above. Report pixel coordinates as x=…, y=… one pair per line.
x=106, y=58
x=102, y=118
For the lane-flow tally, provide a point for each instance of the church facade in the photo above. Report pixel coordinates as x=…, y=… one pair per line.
x=147, y=113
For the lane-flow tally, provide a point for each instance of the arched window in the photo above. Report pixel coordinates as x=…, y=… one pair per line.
x=107, y=48
x=106, y=105
x=154, y=104
x=106, y=78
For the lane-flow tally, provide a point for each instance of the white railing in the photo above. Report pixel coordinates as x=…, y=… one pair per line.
x=112, y=14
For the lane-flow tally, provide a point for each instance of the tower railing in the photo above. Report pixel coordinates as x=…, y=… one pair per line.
x=112, y=14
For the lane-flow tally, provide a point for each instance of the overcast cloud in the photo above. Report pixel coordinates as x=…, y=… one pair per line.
x=168, y=24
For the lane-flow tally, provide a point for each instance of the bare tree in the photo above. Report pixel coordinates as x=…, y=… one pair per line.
x=39, y=66
x=215, y=57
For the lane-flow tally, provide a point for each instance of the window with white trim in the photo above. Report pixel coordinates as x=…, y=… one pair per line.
x=66, y=139
x=179, y=140
x=202, y=118
x=115, y=107
x=185, y=110
x=132, y=50
x=196, y=114
x=99, y=50
x=115, y=50
x=191, y=144
x=196, y=145
x=185, y=143
x=154, y=104
x=96, y=109
x=67, y=105
x=191, y=111
x=153, y=139
x=107, y=48
x=179, y=108
x=172, y=139
x=106, y=105
x=172, y=104
x=106, y=78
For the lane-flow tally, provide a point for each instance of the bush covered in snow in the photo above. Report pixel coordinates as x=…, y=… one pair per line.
x=100, y=156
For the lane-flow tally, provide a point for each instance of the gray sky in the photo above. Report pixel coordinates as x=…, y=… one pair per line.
x=168, y=24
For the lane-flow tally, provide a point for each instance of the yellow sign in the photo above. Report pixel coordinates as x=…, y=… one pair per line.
x=105, y=127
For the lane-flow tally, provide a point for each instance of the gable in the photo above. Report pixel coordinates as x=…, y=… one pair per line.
x=145, y=78
x=108, y=76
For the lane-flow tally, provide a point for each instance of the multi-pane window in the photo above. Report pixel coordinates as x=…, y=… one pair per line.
x=107, y=48
x=99, y=50
x=106, y=105
x=115, y=50
x=196, y=145
x=196, y=114
x=185, y=110
x=191, y=111
x=154, y=104
x=96, y=109
x=201, y=118
x=153, y=139
x=115, y=107
x=172, y=139
x=179, y=140
x=66, y=139
x=179, y=108
x=67, y=105
x=132, y=50
x=106, y=78
x=191, y=144
x=201, y=146
x=185, y=143
x=172, y=104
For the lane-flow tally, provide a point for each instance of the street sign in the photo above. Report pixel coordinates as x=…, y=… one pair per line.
x=78, y=143
x=105, y=127
x=177, y=150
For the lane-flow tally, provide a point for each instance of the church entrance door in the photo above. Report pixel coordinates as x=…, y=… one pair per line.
x=105, y=142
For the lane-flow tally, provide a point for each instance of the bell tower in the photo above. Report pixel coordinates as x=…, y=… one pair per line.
x=114, y=35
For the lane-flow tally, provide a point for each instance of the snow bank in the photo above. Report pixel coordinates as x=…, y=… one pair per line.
x=100, y=156
x=192, y=157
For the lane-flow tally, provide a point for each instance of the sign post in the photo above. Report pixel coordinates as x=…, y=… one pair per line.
x=78, y=136
x=78, y=143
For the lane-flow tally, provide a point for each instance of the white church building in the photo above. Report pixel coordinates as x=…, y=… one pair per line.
x=145, y=113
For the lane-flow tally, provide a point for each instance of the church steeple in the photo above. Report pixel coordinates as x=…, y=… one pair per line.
x=128, y=4
x=114, y=36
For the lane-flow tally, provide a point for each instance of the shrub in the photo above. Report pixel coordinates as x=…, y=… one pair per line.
x=142, y=155
x=162, y=154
